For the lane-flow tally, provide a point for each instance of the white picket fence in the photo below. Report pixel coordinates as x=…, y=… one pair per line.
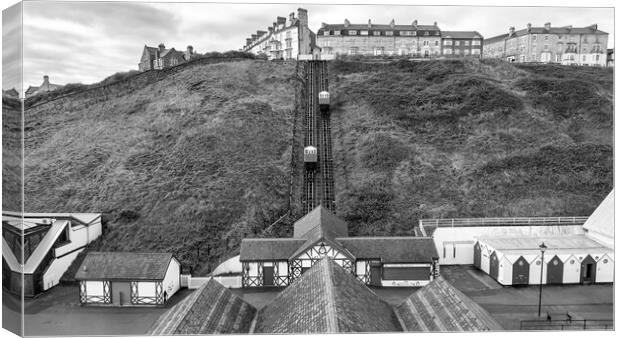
x=231, y=282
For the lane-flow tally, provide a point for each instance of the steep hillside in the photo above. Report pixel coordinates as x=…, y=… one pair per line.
x=11, y=154
x=468, y=139
x=189, y=160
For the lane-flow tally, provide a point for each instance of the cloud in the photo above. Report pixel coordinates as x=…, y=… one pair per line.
x=88, y=41
x=11, y=47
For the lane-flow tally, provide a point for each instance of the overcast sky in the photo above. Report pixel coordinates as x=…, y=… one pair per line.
x=88, y=41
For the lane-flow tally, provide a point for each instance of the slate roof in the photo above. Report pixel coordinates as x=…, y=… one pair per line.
x=320, y=220
x=461, y=34
x=327, y=299
x=552, y=30
x=391, y=249
x=212, y=309
x=439, y=306
x=123, y=266
x=253, y=249
x=375, y=27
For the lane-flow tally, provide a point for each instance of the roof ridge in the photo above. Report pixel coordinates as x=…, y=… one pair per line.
x=332, y=314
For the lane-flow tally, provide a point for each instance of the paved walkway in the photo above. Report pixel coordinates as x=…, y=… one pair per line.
x=509, y=305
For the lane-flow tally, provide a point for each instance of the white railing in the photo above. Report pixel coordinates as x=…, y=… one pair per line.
x=502, y=221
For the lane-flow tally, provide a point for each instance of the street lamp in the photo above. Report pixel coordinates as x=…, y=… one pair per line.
x=542, y=247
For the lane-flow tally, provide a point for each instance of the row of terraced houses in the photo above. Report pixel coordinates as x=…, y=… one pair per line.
x=292, y=39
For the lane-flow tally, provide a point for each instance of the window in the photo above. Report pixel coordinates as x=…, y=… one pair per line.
x=534, y=37
x=352, y=50
x=426, y=33
x=289, y=43
x=376, y=33
x=457, y=51
x=406, y=33
x=533, y=57
x=584, y=58
x=475, y=51
x=466, y=43
x=436, y=42
x=363, y=32
x=597, y=57
x=328, y=50
x=475, y=43
x=537, y=262
x=546, y=37
x=447, y=51
x=389, y=33
x=352, y=32
x=425, y=43
x=379, y=51
x=447, y=42
x=336, y=32
x=466, y=52
x=457, y=43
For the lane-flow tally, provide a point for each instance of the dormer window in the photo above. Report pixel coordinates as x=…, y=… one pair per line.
x=326, y=33
x=376, y=33
x=426, y=33
x=352, y=32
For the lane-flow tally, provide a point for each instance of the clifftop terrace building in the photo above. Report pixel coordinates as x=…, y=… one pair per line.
x=373, y=39
x=566, y=45
x=283, y=39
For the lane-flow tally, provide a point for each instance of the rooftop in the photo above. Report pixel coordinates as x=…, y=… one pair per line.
x=439, y=306
x=212, y=309
x=124, y=265
x=327, y=299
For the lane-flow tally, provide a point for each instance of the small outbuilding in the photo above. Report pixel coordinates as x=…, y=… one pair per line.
x=567, y=260
x=126, y=278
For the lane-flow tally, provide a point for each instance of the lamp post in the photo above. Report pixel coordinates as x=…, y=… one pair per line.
x=542, y=247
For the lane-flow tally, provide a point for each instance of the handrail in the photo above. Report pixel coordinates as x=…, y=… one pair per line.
x=500, y=221
x=576, y=324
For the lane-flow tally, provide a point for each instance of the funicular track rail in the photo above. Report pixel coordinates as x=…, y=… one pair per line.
x=318, y=186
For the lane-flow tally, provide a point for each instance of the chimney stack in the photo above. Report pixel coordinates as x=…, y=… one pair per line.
x=323, y=25
x=529, y=27
x=548, y=25
x=291, y=18
x=346, y=23
x=435, y=23
x=369, y=24
x=270, y=29
x=511, y=31
x=254, y=37
x=248, y=41
x=302, y=16
x=594, y=26
x=190, y=50
x=392, y=23
x=415, y=23
x=161, y=47
x=46, y=79
x=281, y=20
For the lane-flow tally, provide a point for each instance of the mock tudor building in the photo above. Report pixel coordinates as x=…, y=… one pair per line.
x=159, y=57
x=566, y=45
x=377, y=261
x=461, y=43
x=379, y=39
x=126, y=278
x=283, y=39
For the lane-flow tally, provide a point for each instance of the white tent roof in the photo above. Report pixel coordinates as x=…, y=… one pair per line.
x=602, y=219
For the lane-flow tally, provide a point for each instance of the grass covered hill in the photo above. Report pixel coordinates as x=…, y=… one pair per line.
x=11, y=154
x=188, y=161
x=468, y=138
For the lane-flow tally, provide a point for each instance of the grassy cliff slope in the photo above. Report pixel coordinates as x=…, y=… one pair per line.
x=189, y=162
x=468, y=139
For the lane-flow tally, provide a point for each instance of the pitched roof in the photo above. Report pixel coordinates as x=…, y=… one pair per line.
x=551, y=30
x=602, y=219
x=391, y=249
x=461, y=34
x=532, y=243
x=320, y=222
x=439, y=306
x=269, y=248
x=375, y=27
x=326, y=299
x=212, y=309
x=124, y=265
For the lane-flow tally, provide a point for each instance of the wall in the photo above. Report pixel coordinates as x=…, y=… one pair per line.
x=393, y=45
x=406, y=283
x=172, y=281
x=57, y=268
x=605, y=271
x=465, y=237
